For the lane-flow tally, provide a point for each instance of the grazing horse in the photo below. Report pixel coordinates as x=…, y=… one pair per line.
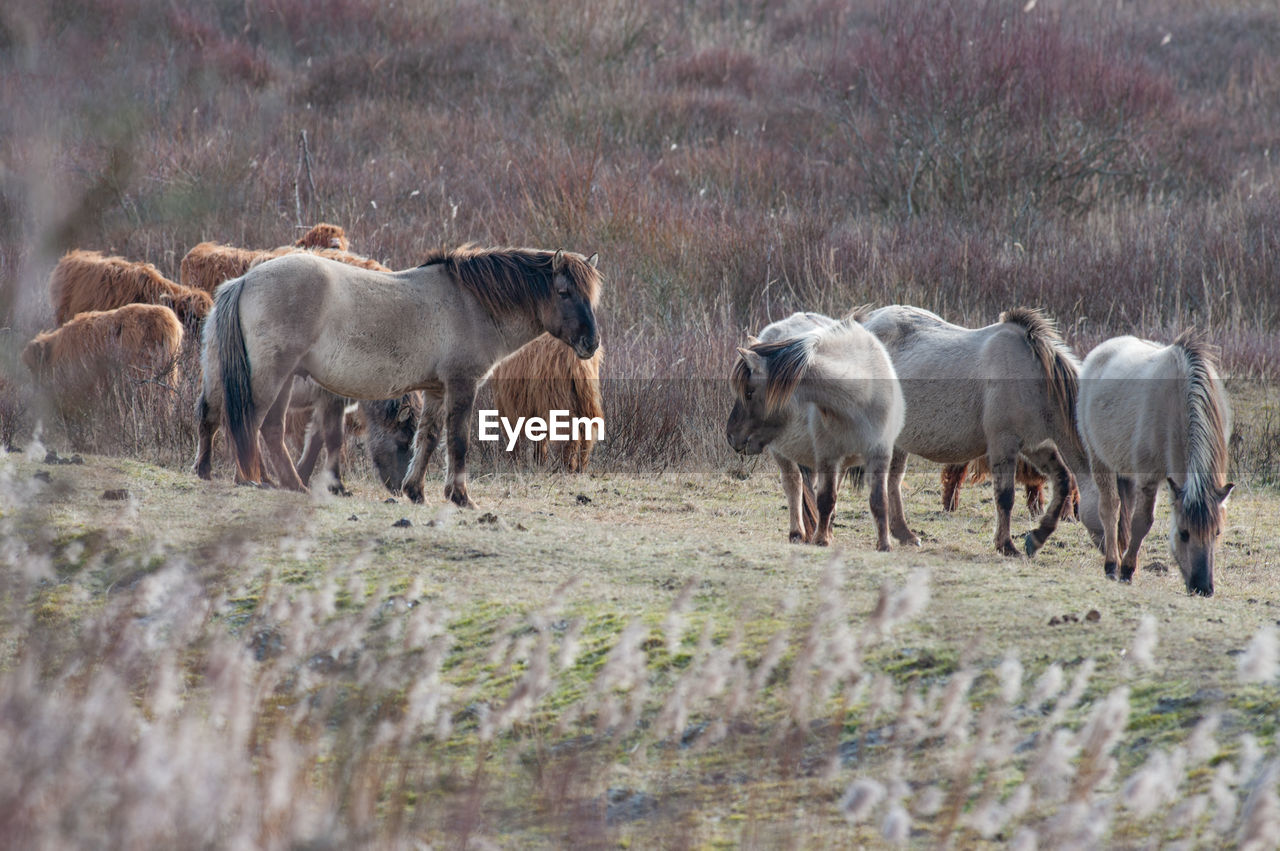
x=998, y=391
x=819, y=394
x=366, y=334
x=1151, y=413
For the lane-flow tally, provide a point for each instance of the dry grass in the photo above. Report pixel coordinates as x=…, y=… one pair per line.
x=302, y=668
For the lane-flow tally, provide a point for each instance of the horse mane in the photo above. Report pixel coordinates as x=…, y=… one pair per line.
x=860, y=313
x=1061, y=369
x=1206, y=432
x=508, y=280
x=787, y=362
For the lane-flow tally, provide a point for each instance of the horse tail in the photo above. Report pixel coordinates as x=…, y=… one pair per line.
x=237, y=386
x=1060, y=367
x=809, y=503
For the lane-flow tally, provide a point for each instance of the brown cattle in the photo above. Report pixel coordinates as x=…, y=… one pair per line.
x=210, y=263
x=137, y=343
x=978, y=470
x=543, y=376
x=89, y=280
x=324, y=235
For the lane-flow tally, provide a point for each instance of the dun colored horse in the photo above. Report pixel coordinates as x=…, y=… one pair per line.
x=1151, y=414
x=364, y=334
x=818, y=394
x=998, y=391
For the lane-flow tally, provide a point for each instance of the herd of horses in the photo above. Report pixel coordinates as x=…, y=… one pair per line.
x=823, y=396
x=312, y=326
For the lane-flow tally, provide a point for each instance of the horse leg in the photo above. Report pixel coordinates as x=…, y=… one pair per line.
x=1004, y=462
x=424, y=443
x=952, y=479
x=272, y=430
x=898, y=513
x=460, y=398
x=311, y=446
x=1108, y=515
x=1143, y=515
x=207, y=419
x=331, y=421
x=1047, y=458
x=826, y=480
x=1124, y=487
x=878, y=469
x=793, y=487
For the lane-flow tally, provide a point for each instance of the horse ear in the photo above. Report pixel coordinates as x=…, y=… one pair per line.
x=404, y=413
x=753, y=359
x=752, y=340
x=1174, y=489
x=1225, y=492
x=593, y=260
x=557, y=261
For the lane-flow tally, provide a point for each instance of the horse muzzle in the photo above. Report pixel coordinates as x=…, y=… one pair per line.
x=585, y=350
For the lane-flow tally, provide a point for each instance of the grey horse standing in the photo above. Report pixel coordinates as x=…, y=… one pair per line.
x=365, y=334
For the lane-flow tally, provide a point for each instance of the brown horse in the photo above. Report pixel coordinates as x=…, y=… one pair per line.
x=1151, y=414
x=544, y=376
x=363, y=334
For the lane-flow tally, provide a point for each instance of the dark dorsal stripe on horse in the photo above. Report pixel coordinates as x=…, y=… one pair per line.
x=506, y=280
x=1206, y=429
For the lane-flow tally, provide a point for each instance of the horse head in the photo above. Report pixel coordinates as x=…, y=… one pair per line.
x=1194, y=530
x=569, y=315
x=763, y=380
x=390, y=425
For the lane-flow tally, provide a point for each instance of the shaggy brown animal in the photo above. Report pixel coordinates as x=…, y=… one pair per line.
x=543, y=376
x=978, y=470
x=324, y=235
x=89, y=280
x=210, y=263
x=137, y=342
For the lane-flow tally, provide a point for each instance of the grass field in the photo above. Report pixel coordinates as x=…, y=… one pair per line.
x=612, y=660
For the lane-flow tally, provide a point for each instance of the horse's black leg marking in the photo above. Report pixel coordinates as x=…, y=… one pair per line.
x=461, y=397
x=1063, y=483
x=207, y=429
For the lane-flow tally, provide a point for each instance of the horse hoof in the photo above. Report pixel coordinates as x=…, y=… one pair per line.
x=459, y=497
x=1008, y=549
x=1109, y=570
x=796, y=538
x=1030, y=545
x=884, y=547
x=414, y=492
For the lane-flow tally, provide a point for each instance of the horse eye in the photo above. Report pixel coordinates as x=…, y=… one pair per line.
x=749, y=393
x=564, y=294
x=1184, y=535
